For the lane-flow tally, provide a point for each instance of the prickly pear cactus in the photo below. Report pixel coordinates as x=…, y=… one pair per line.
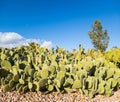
x=35, y=68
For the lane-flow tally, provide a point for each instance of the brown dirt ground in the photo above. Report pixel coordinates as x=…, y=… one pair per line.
x=55, y=97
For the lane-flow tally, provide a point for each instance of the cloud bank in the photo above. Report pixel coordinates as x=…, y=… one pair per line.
x=12, y=39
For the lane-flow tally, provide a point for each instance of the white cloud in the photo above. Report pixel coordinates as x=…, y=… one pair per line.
x=47, y=44
x=12, y=39
x=9, y=37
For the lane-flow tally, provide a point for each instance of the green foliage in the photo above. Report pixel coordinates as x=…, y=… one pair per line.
x=44, y=73
x=100, y=39
x=30, y=85
x=113, y=55
x=32, y=68
x=16, y=77
x=77, y=84
x=6, y=88
x=6, y=64
x=21, y=81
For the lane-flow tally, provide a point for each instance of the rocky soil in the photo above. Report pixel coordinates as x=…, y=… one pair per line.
x=55, y=97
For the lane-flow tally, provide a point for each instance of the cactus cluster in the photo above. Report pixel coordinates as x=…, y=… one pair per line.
x=113, y=55
x=33, y=68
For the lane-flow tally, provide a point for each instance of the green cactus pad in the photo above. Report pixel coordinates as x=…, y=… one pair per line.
x=3, y=56
x=21, y=81
x=6, y=64
x=36, y=85
x=11, y=83
x=6, y=88
x=68, y=82
x=44, y=73
x=30, y=85
x=16, y=77
x=50, y=87
x=77, y=84
x=69, y=90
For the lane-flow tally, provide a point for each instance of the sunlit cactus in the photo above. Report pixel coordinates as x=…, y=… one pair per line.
x=35, y=68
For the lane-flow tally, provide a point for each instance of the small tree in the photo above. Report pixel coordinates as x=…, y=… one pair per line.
x=99, y=38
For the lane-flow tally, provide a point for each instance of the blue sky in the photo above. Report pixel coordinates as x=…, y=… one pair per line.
x=63, y=22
